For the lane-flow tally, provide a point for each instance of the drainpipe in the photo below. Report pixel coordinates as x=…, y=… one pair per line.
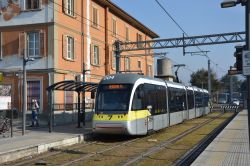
x=107, y=68
x=146, y=58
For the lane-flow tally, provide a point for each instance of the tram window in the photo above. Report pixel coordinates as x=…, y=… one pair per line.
x=184, y=101
x=153, y=95
x=198, y=99
x=161, y=99
x=137, y=99
x=205, y=100
x=190, y=99
x=149, y=97
x=176, y=100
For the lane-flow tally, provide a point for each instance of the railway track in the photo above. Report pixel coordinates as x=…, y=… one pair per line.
x=39, y=160
x=192, y=154
x=97, y=149
x=165, y=143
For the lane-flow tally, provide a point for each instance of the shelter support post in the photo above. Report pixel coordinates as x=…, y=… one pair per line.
x=79, y=111
x=51, y=111
x=83, y=108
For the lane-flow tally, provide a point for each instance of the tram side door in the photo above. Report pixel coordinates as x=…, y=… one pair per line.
x=150, y=119
x=185, y=106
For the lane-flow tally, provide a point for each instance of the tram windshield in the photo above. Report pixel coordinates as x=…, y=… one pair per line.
x=113, y=98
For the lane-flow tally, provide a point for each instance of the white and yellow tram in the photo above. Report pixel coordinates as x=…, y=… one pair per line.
x=135, y=105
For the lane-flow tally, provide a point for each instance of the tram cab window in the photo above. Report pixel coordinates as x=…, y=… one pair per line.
x=113, y=98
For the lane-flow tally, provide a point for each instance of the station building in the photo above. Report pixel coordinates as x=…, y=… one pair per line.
x=66, y=39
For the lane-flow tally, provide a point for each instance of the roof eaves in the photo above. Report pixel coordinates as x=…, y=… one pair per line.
x=117, y=10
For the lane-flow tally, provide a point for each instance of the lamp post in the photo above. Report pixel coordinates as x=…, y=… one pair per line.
x=83, y=96
x=25, y=60
x=245, y=3
x=176, y=72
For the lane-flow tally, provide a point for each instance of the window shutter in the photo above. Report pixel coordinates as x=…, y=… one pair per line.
x=22, y=43
x=22, y=5
x=64, y=6
x=98, y=55
x=41, y=4
x=64, y=46
x=74, y=48
x=75, y=8
x=91, y=56
x=42, y=43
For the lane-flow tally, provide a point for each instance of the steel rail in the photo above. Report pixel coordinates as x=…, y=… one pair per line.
x=192, y=154
x=165, y=143
x=52, y=152
x=99, y=152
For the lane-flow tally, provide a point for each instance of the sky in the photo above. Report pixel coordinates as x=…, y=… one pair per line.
x=196, y=17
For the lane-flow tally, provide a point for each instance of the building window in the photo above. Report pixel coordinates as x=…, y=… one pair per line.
x=127, y=63
x=69, y=8
x=33, y=44
x=33, y=92
x=32, y=4
x=113, y=60
x=127, y=33
x=70, y=47
x=139, y=64
x=150, y=70
x=68, y=99
x=139, y=39
x=114, y=27
x=95, y=17
x=96, y=60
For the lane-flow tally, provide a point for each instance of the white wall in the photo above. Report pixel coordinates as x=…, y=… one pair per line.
x=43, y=15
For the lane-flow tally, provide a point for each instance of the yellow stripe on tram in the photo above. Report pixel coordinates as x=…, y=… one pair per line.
x=132, y=115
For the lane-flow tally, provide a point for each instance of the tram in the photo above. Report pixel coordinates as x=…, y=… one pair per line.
x=133, y=104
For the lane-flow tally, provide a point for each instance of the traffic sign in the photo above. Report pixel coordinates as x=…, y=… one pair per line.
x=234, y=72
x=246, y=63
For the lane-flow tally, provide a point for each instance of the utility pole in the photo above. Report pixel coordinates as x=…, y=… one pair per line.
x=245, y=3
x=203, y=53
x=25, y=60
x=247, y=12
x=24, y=93
x=83, y=95
x=231, y=87
x=209, y=77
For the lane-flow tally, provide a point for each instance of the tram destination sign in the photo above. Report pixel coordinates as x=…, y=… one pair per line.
x=246, y=63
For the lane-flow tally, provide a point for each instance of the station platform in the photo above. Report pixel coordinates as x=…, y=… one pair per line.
x=230, y=147
x=39, y=140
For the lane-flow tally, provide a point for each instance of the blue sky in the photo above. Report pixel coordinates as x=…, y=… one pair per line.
x=197, y=17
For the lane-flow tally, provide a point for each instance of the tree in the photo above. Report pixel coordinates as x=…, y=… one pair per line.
x=225, y=83
x=200, y=79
